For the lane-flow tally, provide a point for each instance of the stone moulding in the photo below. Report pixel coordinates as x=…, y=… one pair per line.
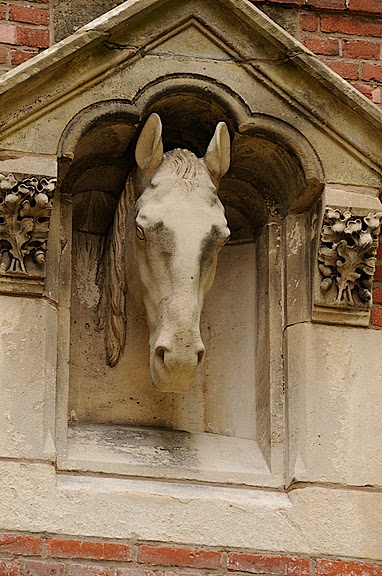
x=25, y=211
x=346, y=264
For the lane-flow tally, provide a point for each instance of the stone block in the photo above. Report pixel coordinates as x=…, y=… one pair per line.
x=27, y=377
x=334, y=399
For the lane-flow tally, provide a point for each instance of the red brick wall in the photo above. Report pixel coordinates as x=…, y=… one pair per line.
x=345, y=34
x=24, y=31
x=35, y=555
x=376, y=313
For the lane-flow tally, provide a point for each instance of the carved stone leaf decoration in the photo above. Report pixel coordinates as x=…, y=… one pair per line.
x=25, y=210
x=347, y=255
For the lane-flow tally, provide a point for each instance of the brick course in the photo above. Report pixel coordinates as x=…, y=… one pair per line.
x=24, y=31
x=361, y=49
x=339, y=5
x=351, y=26
x=349, y=32
x=59, y=548
x=260, y=564
x=372, y=72
x=18, y=56
x=61, y=556
x=36, y=568
x=348, y=70
x=325, y=46
x=339, y=568
x=169, y=556
x=9, y=568
x=368, y=6
x=309, y=22
x=25, y=545
x=88, y=570
x=29, y=14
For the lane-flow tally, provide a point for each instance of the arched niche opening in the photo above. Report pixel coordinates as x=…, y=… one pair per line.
x=272, y=174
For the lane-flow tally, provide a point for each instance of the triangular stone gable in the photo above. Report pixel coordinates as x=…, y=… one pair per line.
x=232, y=30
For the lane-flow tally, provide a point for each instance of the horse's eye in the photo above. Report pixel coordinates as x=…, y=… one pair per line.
x=140, y=233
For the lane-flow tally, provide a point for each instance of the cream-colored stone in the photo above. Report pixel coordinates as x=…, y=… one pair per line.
x=166, y=454
x=310, y=520
x=344, y=255
x=352, y=197
x=298, y=247
x=27, y=377
x=180, y=227
x=124, y=394
x=334, y=404
x=36, y=165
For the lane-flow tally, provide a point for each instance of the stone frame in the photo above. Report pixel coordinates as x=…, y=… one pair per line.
x=263, y=464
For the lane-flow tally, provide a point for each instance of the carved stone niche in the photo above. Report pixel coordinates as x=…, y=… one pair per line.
x=229, y=427
x=25, y=209
x=346, y=257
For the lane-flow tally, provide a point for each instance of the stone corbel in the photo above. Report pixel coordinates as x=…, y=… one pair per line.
x=25, y=210
x=346, y=257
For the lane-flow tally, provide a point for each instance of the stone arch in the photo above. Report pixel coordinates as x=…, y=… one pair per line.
x=275, y=174
x=274, y=168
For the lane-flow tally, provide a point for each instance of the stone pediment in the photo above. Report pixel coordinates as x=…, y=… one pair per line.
x=232, y=34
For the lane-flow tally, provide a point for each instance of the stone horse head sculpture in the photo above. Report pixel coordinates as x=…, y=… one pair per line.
x=171, y=204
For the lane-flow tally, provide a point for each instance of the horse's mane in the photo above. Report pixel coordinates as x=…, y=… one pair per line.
x=183, y=164
x=112, y=279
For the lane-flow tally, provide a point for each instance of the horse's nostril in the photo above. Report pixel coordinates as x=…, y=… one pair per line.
x=159, y=353
x=200, y=356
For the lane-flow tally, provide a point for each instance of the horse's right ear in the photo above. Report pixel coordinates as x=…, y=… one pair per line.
x=149, y=151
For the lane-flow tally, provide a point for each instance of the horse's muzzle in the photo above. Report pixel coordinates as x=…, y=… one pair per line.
x=174, y=366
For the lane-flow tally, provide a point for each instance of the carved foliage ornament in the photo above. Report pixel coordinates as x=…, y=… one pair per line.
x=347, y=256
x=25, y=209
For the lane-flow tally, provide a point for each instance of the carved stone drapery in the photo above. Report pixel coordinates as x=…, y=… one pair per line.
x=346, y=263
x=25, y=210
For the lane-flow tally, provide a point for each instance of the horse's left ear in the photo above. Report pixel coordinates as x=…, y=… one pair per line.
x=217, y=157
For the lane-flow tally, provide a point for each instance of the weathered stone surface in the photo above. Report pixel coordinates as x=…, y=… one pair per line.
x=334, y=403
x=346, y=256
x=312, y=520
x=27, y=377
x=69, y=15
x=25, y=211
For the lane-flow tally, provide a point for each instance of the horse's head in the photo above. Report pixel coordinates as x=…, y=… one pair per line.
x=180, y=229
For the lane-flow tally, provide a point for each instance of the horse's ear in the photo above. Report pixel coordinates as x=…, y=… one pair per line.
x=149, y=151
x=217, y=157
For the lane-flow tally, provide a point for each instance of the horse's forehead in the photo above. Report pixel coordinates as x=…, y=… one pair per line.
x=173, y=208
